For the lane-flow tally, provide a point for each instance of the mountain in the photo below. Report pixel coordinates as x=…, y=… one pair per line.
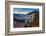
x=21, y=15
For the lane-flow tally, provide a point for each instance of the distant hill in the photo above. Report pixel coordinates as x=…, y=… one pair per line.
x=21, y=15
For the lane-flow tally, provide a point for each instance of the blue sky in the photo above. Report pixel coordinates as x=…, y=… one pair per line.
x=24, y=9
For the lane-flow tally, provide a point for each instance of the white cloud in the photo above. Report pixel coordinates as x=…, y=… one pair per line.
x=21, y=12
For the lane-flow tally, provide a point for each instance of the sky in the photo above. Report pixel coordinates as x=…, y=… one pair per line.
x=24, y=9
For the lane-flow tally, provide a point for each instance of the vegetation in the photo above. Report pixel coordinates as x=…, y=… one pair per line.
x=35, y=22
x=19, y=20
